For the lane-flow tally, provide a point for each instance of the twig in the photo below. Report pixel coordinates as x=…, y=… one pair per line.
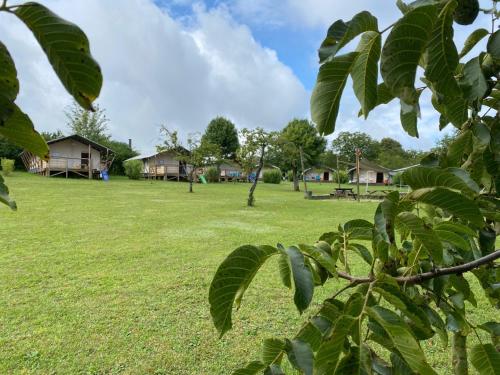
x=421, y=277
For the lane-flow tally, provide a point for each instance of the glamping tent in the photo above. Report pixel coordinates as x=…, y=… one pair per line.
x=370, y=173
x=163, y=165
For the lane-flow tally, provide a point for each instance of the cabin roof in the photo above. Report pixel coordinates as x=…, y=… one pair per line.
x=81, y=139
x=319, y=167
x=367, y=164
x=153, y=154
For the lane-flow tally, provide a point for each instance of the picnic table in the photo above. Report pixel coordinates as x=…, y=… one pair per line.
x=344, y=192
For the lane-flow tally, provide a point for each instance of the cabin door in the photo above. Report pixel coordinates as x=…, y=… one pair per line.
x=85, y=160
x=380, y=178
x=326, y=176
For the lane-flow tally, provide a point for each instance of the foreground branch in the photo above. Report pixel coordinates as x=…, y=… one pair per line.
x=421, y=277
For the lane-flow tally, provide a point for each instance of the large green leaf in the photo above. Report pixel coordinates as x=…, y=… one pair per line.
x=4, y=195
x=302, y=278
x=403, y=49
x=402, y=339
x=358, y=229
x=252, y=368
x=365, y=70
x=232, y=279
x=320, y=256
x=472, y=81
x=462, y=144
x=421, y=177
x=409, y=114
x=19, y=130
x=493, y=46
x=325, y=98
x=340, y=33
x=300, y=356
x=485, y=359
x=423, y=233
x=271, y=350
x=9, y=85
x=474, y=38
x=67, y=49
x=329, y=352
x=442, y=54
x=456, y=110
x=451, y=201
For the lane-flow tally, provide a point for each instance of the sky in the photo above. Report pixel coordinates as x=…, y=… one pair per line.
x=180, y=63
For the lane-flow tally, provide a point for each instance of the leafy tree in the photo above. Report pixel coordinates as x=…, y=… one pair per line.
x=252, y=154
x=67, y=49
x=300, y=137
x=197, y=154
x=49, y=136
x=346, y=143
x=416, y=259
x=222, y=132
x=122, y=152
x=11, y=151
x=91, y=125
x=133, y=169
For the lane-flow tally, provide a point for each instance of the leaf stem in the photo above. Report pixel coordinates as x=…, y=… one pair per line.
x=387, y=28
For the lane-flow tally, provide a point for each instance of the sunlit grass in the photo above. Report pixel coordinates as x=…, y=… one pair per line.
x=113, y=277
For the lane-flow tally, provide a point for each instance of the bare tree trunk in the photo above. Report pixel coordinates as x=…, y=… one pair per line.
x=302, y=167
x=251, y=199
x=295, y=179
x=191, y=176
x=459, y=354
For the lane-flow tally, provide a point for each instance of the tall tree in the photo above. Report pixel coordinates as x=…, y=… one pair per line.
x=300, y=137
x=252, y=154
x=346, y=143
x=88, y=124
x=197, y=154
x=49, y=136
x=222, y=132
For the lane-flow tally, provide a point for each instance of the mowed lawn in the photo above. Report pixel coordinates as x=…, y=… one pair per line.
x=113, y=278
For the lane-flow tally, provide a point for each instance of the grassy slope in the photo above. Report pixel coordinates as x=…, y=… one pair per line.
x=113, y=277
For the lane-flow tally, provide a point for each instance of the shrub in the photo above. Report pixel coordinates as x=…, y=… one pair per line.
x=272, y=176
x=212, y=174
x=7, y=166
x=133, y=169
x=344, y=178
x=397, y=179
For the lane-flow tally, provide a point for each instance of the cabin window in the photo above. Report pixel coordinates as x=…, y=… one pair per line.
x=380, y=178
x=85, y=159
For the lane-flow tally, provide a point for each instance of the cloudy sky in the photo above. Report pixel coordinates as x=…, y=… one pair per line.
x=180, y=63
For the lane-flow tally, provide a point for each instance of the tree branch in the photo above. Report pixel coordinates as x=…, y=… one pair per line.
x=421, y=277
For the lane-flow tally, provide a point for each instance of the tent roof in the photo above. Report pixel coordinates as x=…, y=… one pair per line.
x=81, y=139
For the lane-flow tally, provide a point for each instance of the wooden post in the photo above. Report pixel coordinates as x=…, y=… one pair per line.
x=358, y=155
x=88, y=165
x=338, y=174
x=66, y=168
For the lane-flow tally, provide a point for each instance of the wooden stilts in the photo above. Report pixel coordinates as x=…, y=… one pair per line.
x=88, y=165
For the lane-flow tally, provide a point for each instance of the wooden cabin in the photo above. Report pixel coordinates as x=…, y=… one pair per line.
x=320, y=174
x=71, y=155
x=231, y=171
x=370, y=173
x=162, y=165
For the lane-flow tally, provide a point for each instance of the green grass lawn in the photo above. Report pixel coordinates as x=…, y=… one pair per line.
x=108, y=278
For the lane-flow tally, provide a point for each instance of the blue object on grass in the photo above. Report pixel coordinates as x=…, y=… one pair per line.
x=104, y=175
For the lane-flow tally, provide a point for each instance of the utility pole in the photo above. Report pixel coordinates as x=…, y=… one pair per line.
x=358, y=155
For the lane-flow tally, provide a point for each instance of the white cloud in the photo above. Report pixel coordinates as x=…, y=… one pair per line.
x=159, y=70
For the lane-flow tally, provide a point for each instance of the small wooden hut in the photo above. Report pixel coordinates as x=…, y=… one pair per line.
x=370, y=173
x=71, y=155
x=162, y=165
x=320, y=174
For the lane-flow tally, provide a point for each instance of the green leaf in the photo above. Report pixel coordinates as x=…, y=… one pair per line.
x=9, y=85
x=67, y=49
x=485, y=359
x=456, y=110
x=232, y=279
x=358, y=229
x=329, y=352
x=456, y=227
x=408, y=116
x=453, y=239
x=302, y=279
x=475, y=37
x=252, y=368
x=4, y=195
x=472, y=81
x=285, y=272
x=402, y=339
x=362, y=251
x=442, y=54
x=19, y=130
x=403, y=49
x=365, y=70
x=422, y=177
x=448, y=200
x=271, y=350
x=423, y=233
x=458, y=147
x=320, y=256
x=340, y=33
x=357, y=362
x=311, y=334
x=300, y=356
x=493, y=46
x=325, y=98
x=274, y=370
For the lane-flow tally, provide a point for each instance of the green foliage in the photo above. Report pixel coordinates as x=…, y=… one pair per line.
x=122, y=152
x=91, y=125
x=423, y=242
x=7, y=166
x=11, y=151
x=341, y=175
x=49, y=136
x=133, y=169
x=67, y=49
x=212, y=174
x=222, y=132
x=272, y=176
